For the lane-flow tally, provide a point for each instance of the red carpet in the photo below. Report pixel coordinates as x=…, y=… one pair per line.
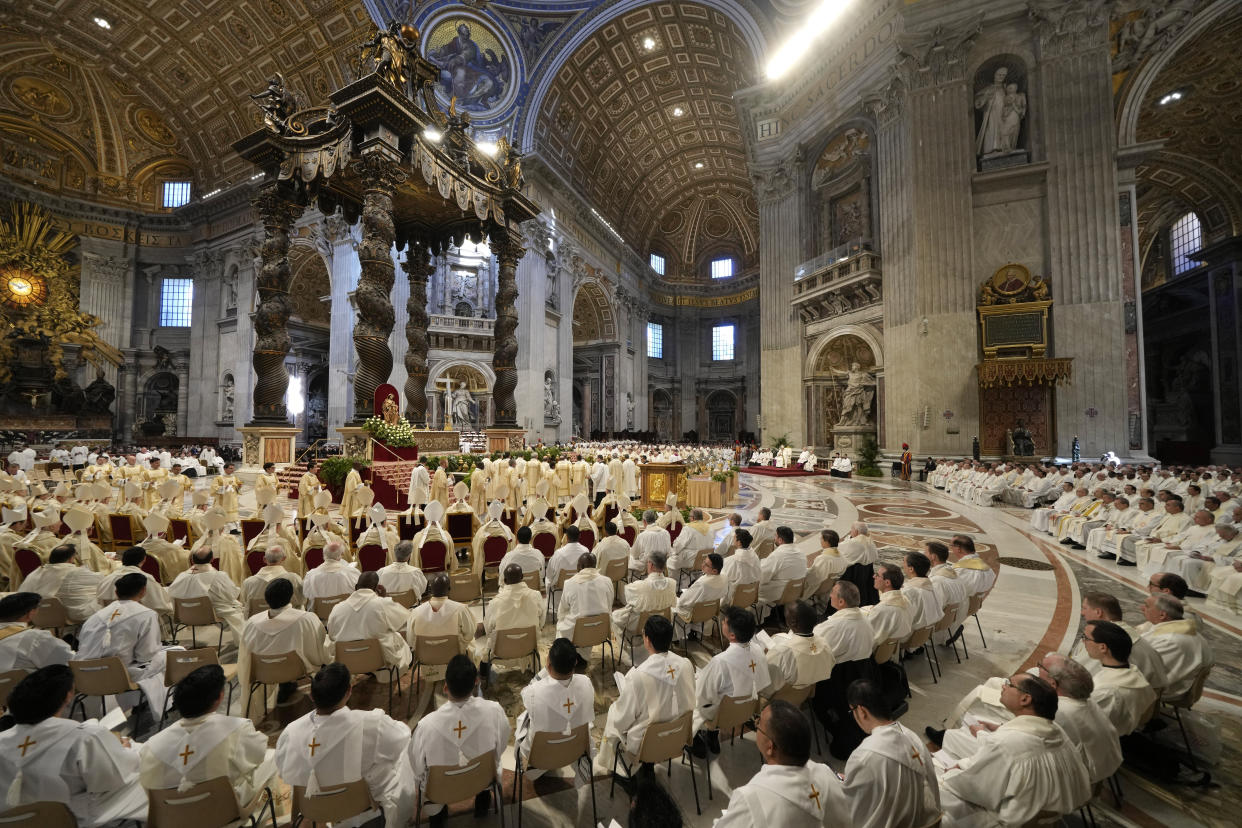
x=773, y=471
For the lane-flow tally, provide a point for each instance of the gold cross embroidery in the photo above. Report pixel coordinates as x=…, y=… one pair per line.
x=185, y=755
x=672, y=674
x=115, y=613
x=914, y=754
x=460, y=728
x=569, y=706
x=752, y=666
x=815, y=795
x=314, y=743
x=27, y=745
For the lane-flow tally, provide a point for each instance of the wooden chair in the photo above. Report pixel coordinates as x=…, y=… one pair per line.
x=313, y=557
x=561, y=577
x=746, y=596
x=364, y=656
x=464, y=588
x=553, y=751
x=920, y=639
x=1186, y=701
x=799, y=696
x=274, y=668
x=210, y=804
x=8, y=680
x=183, y=662
x=791, y=594
x=50, y=615
x=617, y=571
x=885, y=651
x=39, y=815
x=701, y=613
x=822, y=592
x=518, y=643
x=697, y=566
x=195, y=613
x=765, y=548
x=976, y=604
x=631, y=637
x=732, y=714
x=592, y=630
x=124, y=531
x=407, y=599
x=433, y=556
x=372, y=557
x=98, y=677
x=945, y=625
x=434, y=651
x=447, y=784
x=663, y=742
x=255, y=606
x=545, y=542
x=324, y=605
x=334, y=803
x=533, y=580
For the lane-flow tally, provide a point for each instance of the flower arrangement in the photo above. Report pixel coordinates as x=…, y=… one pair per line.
x=398, y=435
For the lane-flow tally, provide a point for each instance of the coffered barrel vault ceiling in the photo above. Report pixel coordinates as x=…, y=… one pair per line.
x=170, y=78
x=649, y=135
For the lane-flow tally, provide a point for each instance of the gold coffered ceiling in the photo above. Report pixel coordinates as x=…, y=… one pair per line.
x=608, y=125
x=167, y=83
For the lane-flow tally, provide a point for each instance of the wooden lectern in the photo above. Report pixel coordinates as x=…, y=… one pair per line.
x=661, y=478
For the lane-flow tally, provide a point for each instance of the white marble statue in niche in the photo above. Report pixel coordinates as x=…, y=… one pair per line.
x=551, y=406
x=858, y=396
x=1003, y=108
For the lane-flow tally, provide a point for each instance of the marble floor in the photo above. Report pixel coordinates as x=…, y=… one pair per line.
x=1032, y=610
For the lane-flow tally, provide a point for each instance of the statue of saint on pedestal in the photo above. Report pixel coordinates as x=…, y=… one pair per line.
x=858, y=396
x=392, y=411
x=463, y=406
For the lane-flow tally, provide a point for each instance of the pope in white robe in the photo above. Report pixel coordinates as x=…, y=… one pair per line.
x=366, y=615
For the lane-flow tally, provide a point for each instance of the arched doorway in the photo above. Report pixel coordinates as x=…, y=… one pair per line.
x=827, y=399
x=595, y=358
x=445, y=394
x=159, y=405
x=662, y=413
x=721, y=417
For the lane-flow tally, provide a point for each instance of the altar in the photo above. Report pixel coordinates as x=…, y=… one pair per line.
x=658, y=479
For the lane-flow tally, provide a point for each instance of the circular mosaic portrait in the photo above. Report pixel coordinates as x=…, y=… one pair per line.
x=475, y=65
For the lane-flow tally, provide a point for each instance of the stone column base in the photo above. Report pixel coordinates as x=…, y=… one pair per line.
x=268, y=444
x=506, y=439
x=849, y=439
x=355, y=441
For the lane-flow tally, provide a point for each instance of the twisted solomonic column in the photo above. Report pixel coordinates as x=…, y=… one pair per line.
x=380, y=178
x=418, y=267
x=509, y=251
x=277, y=210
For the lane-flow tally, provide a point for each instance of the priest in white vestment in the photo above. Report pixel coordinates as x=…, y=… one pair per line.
x=1197, y=564
x=1120, y=690
x=847, y=632
x=797, y=658
x=45, y=757
x=708, y=587
x=401, y=576
x=156, y=596
x=1026, y=766
x=335, y=744
x=282, y=629
x=743, y=566
x=1081, y=718
x=1178, y=640
x=920, y=593
x=654, y=593
x=368, y=614
x=464, y=729
x=525, y=555
x=558, y=701
x=492, y=528
x=790, y=790
x=440, y=616
x=128, y=630
x=204, y=580
x=890, y=779
x=652, y=538
x=564, y=559
x=273, y=567
x=740, y=671
x=1101, y=606
x=974, y=572
x=515, y=608
x=891, y=618
x=786, y=563
x=612, y=547
x=65, y=579
x=587, y=593
x=22, y=646
x=203, y=745
x=331, y=578
x=659, y=689
x=825, y=564
x=695, y=537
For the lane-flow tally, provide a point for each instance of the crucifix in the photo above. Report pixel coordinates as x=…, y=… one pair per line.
x=460, y=728
x=314, y=743
x=185, y=755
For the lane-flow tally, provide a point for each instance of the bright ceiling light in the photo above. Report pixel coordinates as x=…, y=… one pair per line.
x=817, y=22
x=102, y=22
x=698, y=165
x=1170, y=98
x=488, y=148
x=648, y=43
x=678, y=112
x=432, y=134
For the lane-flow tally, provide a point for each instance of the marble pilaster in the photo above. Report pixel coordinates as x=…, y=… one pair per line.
x=344, y=270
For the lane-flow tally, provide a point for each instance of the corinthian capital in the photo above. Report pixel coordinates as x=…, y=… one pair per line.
x=936, y=57
x=1065, y=27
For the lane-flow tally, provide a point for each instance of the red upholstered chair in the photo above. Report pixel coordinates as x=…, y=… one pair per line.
x=407, y=528
x=254, y=560
x=178, y=529
x=629, y=533
x=545, y=542
x=674, y=531
x=587, y=538
x=372, y=557
x=432, y=556
x=610, y=512
x=151, y=566
x=123, y=535
x=460, y=526
x=250, y=528
x=494, y=549
x=313, y=557
x=27, y=561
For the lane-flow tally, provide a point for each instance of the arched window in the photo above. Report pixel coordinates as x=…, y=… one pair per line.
x=1185, y=238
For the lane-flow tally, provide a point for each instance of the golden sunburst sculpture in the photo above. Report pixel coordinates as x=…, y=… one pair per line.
x=39, y=287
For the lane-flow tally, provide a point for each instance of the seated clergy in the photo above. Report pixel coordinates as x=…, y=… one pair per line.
x=557, y=701
x=655, y=593
x=64, y=578
x=710, y=586
x=1081, y=718
x=1177, y=640
x=847, y=632
x=222, y=545
x=695, y=536
x=825, y=564
x=367, y=613
x=331, y=578
x=1120, y=689
x=273, y=567
x=275, y=535
x=334, y=744
x=743, y=566
x=920, y=593
x=972, y=570
x=492, y=528
x=79, y=520
x=565, y=558
x=131, y=632
x=1199, y=564
x=515, y=607
x=890, y=778
x=740, y=671
x=587, y=593
x=789, y=789
x=786, y=563
x=525, y=555
x=671, y=517
x=613, y=547
x=172, y=555
x=652, y=538
x=23, y=647
x=204, y=580
x=1101, y=606
x=46, y=757
x=433, y=531
x=400, y=575
x=659, y=689
x=1027, y=766
x=890, y=618
x=797, y=658
x=131, y=561
x=282, y=629
x=203, y=744
x=464, y=728
x=860, y=556
x=378, y=533
x=440, y=616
